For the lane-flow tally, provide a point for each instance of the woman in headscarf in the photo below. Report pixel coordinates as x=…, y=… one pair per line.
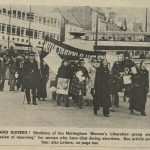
x=102, y=89
x=140, y=89
x=63, y=72
x=79, y=81
x=41, y=90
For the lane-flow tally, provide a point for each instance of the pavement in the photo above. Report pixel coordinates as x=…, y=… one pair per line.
x=14, y=113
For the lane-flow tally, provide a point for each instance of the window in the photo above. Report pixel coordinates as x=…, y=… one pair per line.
x=0, y=27
x=31, y=33
x=43, y=35
x=44, y=20
x=27, y=32
x=55, y=23
x=58, y=24
x=22, y=31
x=4, y=11
x=48, y=21
x=51, y=21
x=18, y=31
x=23, y=15
x=58, y=37
x=9, y=12
x=14, y=13
x=19, y=14
x=51, y=35
x=8, y=29
x=28, y=16
x=13, y=30
x=40, y=35
x=35, y=34
x=40, y=19
x=3, y=28
x=22, y=40
x=36, y=18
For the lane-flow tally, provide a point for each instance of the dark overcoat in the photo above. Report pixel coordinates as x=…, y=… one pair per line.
x=41, y=90
x=140, y=88
x=102, y=87
x=31, y=74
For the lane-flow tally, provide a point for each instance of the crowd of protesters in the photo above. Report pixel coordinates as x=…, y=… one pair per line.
x=31, y=76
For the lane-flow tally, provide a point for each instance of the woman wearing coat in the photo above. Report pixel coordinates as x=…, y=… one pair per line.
x=63, y=72
x=140, y=89
x=102, y=89
x=41, y=90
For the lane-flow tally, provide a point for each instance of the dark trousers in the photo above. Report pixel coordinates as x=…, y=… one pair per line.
x=105, y=111
x=28, y=96
x=2, y=82
x=115, y=99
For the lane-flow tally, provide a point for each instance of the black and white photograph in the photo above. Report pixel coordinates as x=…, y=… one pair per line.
x=74, y=74
x=74, y=66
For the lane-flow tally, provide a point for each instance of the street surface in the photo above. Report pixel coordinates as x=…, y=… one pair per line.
x=13, y=113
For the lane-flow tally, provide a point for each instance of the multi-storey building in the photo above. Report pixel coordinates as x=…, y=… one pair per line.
x=20, y=27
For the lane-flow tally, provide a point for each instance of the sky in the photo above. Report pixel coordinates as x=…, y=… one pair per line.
x=132, y=14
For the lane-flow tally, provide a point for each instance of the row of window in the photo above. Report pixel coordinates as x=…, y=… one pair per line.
x=25, y=32
x=32, y=17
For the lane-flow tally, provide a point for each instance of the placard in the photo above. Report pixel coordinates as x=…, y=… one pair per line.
x=63, y=86
x=127, y=79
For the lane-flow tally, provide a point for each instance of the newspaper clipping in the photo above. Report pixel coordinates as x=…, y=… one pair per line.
x=74, y=74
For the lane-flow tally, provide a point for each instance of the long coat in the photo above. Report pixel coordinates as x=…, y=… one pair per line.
x=102, y=88
x=140, y=88
x=78, y=87
x=41, y=90
x=31, y=75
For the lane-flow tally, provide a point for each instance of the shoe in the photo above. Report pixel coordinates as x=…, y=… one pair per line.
x=95, y=111
x=132, y=111
x=106, y=115
x=143, y=114
x=34, y=103
x=28, y=102
x=112, y=110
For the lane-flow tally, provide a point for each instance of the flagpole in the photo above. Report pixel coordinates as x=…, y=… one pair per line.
x=96, y=38
x=29, y=28
x=9, y=28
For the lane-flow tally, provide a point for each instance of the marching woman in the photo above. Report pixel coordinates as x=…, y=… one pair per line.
x=140, y=89
x=78, y=83
x=63, y=72
x=102, y=89
x=41, y=90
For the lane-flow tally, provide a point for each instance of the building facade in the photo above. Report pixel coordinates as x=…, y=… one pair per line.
x=21, y=28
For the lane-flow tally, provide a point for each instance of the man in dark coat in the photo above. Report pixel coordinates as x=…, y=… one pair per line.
x=12, y=65
x=102, y=89
x=2, y=71
x=31, y=77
